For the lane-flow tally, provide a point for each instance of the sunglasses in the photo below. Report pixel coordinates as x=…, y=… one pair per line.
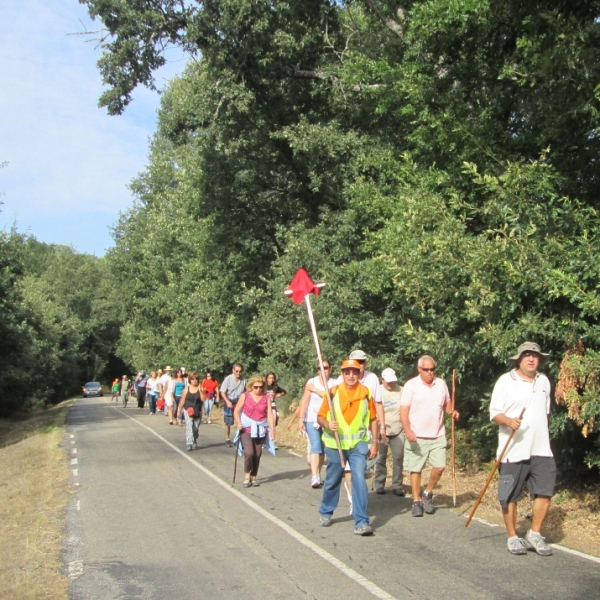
x=258, y=387
x=427, y=370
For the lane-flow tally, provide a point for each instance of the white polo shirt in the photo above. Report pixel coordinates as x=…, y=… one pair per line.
x=511, y=394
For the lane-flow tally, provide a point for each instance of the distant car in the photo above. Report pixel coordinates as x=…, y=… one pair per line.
x=92, y=388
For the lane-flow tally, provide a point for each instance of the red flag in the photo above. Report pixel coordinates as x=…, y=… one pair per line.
x=302, y=285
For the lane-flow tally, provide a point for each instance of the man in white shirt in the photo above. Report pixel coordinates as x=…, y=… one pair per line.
x=163, y=390
x=233, y=386
x=528, y=458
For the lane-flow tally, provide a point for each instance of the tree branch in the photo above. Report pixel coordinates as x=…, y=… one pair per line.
x=392, y=25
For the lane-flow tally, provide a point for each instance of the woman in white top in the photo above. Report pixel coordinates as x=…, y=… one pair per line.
x=310, y=403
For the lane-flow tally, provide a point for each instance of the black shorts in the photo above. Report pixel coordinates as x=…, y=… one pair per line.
x=539, y=472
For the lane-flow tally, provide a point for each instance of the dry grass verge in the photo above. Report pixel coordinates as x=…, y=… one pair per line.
x=34, y=493
x=573, y=521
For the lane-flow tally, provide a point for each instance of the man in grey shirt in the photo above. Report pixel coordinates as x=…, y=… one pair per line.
x=233, y=386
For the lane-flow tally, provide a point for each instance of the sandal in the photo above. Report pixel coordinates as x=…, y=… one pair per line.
x=247, y=483
x=255, y=483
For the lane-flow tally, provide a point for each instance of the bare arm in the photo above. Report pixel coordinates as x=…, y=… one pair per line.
x=183, y=397
x=271, y=421
x=237, y=410
x=513, y=423
x=410, y=436
x=374, y=444
x=379, y=410
x=302, y=407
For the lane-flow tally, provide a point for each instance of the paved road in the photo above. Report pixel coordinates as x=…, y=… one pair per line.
x=149, y=520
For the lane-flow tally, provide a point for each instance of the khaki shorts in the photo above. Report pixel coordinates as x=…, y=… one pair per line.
x=417, y=453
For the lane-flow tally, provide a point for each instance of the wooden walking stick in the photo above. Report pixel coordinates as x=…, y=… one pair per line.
x=301, y=287
x=453, y=439
x=489, y=479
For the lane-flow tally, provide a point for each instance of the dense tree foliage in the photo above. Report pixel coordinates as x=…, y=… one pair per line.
x=435, y=163
x=61, y=322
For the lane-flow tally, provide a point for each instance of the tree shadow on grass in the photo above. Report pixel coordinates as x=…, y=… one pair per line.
x=19, y=427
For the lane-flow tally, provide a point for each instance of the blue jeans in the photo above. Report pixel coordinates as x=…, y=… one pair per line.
x=151, y=402
x=314, y=436
x=357, y=459
x=207, y=407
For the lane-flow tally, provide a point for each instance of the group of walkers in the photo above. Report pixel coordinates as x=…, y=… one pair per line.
x=362, y=418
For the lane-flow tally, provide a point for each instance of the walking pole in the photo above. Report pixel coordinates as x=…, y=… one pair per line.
x=453, y=439
x=489, y=479
x=300, y=289
x=237, y=450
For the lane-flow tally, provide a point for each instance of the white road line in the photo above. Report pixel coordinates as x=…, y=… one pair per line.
x=75, y=472
x=557, y=546
x=73, y=450
x=575, y=552
x=332, y=560
x=78, y=505
x=74, y=569
x=73, y=461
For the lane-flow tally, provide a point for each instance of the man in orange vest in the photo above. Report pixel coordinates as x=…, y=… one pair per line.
x=353, y=418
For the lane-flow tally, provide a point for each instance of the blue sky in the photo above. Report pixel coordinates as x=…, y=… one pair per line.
x=69, y=163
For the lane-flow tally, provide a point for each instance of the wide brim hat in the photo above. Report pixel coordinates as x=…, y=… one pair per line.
x=350, y=364
x=528, y=347
x=357, y=355
x=168, y=368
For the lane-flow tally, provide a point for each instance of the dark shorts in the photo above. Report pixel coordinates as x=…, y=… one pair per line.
x=228, y=419
x=539, y=472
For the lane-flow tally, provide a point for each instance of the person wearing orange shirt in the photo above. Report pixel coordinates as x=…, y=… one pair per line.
x=353, y=418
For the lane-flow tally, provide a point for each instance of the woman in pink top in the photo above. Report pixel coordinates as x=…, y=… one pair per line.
x=254, y=419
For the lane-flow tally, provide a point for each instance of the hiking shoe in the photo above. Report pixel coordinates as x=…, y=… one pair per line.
x=427, y=500
x=379, y=491
x=538, y=543
x=417, y=509
x=399, y=492
x=517, y=545
x=363, y=530
x=324, y=521
x=315, y=482
x=228, y=443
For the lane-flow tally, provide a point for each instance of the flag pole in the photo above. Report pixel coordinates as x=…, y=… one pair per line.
x=300, y=289
x=313, y=328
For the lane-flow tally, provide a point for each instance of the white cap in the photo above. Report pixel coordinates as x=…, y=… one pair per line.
x=357, y=355
x=389, y=375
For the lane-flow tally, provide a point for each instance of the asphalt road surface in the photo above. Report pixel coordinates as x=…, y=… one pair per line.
x=150, y=520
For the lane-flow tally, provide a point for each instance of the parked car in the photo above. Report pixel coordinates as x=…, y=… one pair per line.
x=92, y=388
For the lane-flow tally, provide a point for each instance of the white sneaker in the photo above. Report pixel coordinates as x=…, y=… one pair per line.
x=315, y=482
x=538, y=543
x=208, y=421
